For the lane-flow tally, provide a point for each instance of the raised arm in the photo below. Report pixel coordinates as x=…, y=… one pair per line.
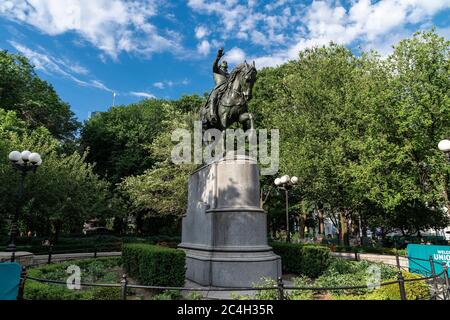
x=216, y=61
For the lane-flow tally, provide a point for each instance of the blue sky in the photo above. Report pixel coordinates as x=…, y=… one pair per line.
x=88, y=49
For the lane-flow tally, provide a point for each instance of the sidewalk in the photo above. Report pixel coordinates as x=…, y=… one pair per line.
x=386, y=259
x=373, y=257
x=42, y=259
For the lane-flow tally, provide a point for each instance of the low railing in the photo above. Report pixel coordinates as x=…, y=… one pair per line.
x=437, y=279
x=280, y=286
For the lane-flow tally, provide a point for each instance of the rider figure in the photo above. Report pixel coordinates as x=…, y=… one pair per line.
x=220, y=76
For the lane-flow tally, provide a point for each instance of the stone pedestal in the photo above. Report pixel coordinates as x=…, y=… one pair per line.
x=224, y=232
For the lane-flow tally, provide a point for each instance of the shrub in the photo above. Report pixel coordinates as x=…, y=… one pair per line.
x=47, y=291
x=343, y=272
x=269, y=294
x=154, y=265
x=235, y=296
x=168, y=295
x=344, y=266
x=333, y=279
x=308, y=260
x=193, y=295
x=415, y=290
x=301, y=294
x=272, y=294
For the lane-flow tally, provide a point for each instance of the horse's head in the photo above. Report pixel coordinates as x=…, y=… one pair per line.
x=248, y=79
x=243, y=78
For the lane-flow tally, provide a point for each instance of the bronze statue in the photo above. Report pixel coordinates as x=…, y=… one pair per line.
x=227, y=102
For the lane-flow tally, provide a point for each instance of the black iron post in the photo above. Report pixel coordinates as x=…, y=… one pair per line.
x=285, y=183
x=446, y=278
x=123, y=285
x=23, y=278
x=288, y=230
x=280, y=288
x=14, y=230
x=401, y=284
x=50, y=251
x=397, y=260
x=433, y=273
x=356, y=254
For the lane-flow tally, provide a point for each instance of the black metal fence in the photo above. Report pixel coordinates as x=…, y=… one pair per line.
x=440, y=284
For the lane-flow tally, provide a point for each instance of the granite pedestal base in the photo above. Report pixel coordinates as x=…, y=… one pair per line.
x=224, y=232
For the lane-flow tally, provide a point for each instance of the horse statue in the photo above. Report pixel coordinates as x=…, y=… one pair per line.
x=227, y=102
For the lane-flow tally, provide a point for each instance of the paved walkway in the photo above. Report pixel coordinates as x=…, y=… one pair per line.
x=42, y=259
x=384, y=258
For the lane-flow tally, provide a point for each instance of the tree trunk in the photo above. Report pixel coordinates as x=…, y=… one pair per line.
x=383, y=234
x=343, y=232
x=301, y=225
x=321, y=222
x=363, y=231
x=57, y=225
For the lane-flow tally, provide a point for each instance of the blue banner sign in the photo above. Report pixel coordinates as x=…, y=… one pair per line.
x=419, y=258
x=9, y=280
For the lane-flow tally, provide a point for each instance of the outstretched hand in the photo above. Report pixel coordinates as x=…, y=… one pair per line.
x=220, y=52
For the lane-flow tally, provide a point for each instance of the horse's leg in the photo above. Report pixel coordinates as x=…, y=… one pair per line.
x=246, y=119
x=223, y=117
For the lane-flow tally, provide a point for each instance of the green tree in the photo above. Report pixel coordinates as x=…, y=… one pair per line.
x=63, y=192
x=118, y=140
x=162, y=189
x=34, y=100
x=361, y=132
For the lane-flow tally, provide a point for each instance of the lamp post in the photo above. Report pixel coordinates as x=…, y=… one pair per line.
x=286, y=183
x=23, y=162
x=444, y=146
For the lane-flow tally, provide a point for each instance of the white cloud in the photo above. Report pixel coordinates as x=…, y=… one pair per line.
x=204, y=47
x=240, y=19
x=58, y=67
x=159, y=85
x=201, y=32
x=376, y=25
x=169, y=83
x=113, y=26
x=142, y=95
x=235, y=55
x=100, y=85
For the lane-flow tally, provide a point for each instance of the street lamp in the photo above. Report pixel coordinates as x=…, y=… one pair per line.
x=23, y=162
x=444, y=146
x=286, y=183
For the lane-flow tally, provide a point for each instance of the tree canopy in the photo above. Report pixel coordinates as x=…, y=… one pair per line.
x=62, y=194
x=34, y=100
x=362, y=131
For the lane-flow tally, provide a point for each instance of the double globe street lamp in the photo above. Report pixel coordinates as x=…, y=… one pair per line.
x=22, y=162
x=286, y=183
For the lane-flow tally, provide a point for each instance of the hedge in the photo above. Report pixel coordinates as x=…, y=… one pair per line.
x=44, y=291
x=415, y=290
x=154, y=265
x=35, y=290
x=308, y=260
x=88, y=243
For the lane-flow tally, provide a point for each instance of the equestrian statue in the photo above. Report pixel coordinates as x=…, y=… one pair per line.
x=227, y=102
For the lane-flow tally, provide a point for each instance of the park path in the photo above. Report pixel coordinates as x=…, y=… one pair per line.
x=42, y=259
x=373, y=257
x=386, y=259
